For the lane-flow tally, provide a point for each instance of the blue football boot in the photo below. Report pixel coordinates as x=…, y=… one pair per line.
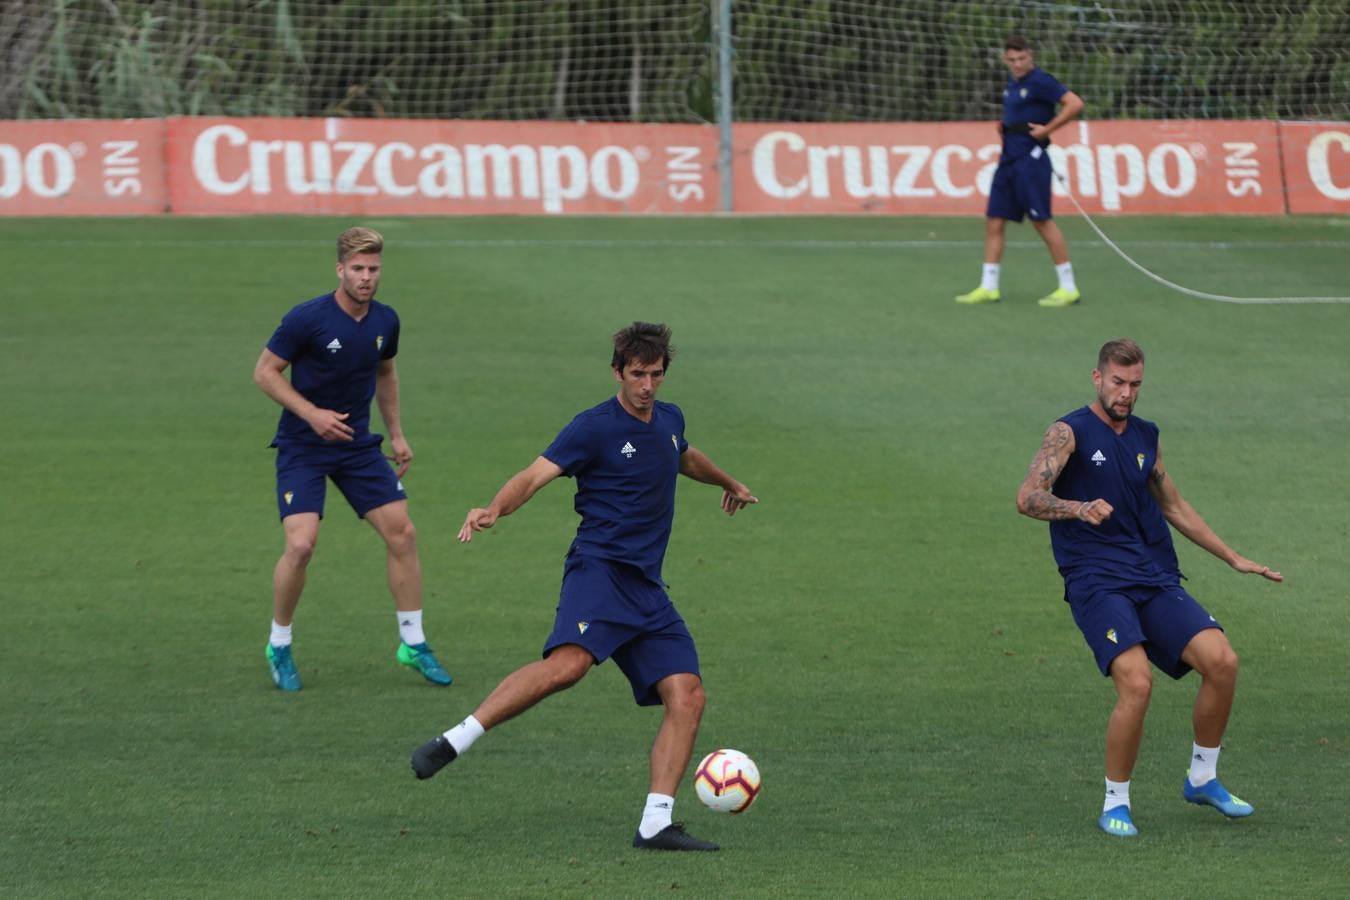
x=1211, y=793
x=1116, y=822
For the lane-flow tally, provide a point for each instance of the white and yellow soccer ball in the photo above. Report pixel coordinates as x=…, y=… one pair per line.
x=727, y=781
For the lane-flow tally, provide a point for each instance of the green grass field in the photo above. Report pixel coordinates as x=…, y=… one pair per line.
x=883, y=633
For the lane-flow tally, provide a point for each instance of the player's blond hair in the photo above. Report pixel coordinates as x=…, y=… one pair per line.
x=1122, y=352
x=359, y=240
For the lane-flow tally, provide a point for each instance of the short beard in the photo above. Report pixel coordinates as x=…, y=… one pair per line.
x=1112, y=415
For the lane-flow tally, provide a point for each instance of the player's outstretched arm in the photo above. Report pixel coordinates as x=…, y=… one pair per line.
x=1034, y=497
x=1183, y=517
x=512, y=496
x=695, y=464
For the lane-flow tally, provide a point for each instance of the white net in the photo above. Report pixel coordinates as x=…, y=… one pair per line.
x=933, y=60
x=606, y=60
x=655, y=60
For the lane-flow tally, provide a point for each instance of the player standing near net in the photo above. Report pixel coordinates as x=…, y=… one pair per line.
x=1021, y=184
x=340, y=348
x=625, y=455
x=1099, y=480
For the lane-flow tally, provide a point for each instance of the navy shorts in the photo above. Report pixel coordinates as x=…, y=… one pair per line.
x=362, y=474
x=612, y=609
x=1162, y=619
x=1021, y=187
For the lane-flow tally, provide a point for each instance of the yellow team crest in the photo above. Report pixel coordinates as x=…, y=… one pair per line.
x=582, y=626
x=1111, y=635
x=676, y=442
x=288, y=497
x=1140, y=459
x=379, y=342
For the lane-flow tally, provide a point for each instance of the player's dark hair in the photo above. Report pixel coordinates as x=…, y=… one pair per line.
x=1017, y=42
x=1122, y=352
x=641, y=342
x=359, y=240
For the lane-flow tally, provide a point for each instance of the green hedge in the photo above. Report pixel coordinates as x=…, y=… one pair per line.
x=648, y=60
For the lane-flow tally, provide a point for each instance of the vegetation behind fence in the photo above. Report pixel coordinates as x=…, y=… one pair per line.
x=655, y=60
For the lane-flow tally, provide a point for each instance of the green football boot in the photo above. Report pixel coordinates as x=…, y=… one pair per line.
x=420, y=657
x=1059, y=298
x=282, y=666
x=979, y=295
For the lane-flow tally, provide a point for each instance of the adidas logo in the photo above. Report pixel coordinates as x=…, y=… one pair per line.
x=334, y=345
x=1098, y=458
x=628, y=449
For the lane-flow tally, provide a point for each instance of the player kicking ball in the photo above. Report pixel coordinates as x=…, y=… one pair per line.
x=625, y=455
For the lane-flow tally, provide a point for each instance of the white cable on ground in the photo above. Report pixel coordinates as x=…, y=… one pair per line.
x=1221, y=298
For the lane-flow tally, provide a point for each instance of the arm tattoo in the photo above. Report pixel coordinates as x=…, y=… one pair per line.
x=1039, y=502
x=1046, y=506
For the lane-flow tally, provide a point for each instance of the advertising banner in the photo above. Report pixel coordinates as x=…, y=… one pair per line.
x=1316, y=166
x=423, y=167
x=1211, y=167
x=77, y=167
x=267, y=166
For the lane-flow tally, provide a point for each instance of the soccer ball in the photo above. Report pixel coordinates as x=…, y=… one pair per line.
x=727, y=781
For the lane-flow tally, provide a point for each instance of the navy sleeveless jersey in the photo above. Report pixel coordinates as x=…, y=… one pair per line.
x=1032, y=99
x=625, y=470
x=334, y=360
x=1132, y=547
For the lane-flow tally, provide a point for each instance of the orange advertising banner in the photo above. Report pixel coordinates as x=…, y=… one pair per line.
x=82, y=167
x=1213, y=167
x=229, y=166
x=418, y=167
x=1316, y=166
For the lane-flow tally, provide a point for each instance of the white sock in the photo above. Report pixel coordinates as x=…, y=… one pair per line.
x=1065, y=273
x=1117, y=794
x=462, y=736
x=410, y=627
x=989, y=277
x=656, y=815
x=1204, y=764
x=281, y=634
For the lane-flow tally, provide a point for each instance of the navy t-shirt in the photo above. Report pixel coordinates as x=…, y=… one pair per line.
x=334, y=360
x=1133, y=546
x=625, y=470
x=1032, y=99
